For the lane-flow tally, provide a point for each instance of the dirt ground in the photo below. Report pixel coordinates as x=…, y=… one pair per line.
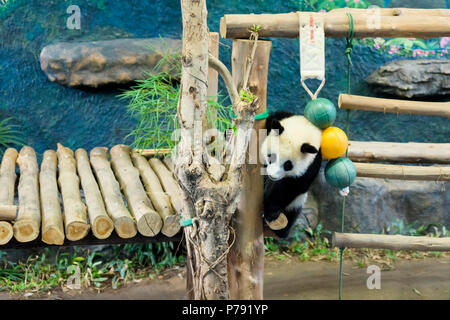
x=292, y=279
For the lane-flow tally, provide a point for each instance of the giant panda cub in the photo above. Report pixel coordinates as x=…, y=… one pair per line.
x=292, y=159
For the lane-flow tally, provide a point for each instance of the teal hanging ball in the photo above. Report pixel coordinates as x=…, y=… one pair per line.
x=340, y=172
x=321, y=112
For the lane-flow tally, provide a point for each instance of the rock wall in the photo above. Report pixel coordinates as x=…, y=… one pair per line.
x=374, y=204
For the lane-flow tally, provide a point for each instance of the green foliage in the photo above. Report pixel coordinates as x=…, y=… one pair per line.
x=306, y=244
x=246, y=96
x=154, y=101
x=410, y=47
x=327, y=5
x=432, y=229
x=9, y=135
x=121, y=264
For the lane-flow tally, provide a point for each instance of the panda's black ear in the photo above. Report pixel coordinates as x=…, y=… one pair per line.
x=275, y=125
x=307, y=148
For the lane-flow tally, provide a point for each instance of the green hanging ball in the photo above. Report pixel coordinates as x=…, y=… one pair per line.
x=321, y=112
x=340, y=172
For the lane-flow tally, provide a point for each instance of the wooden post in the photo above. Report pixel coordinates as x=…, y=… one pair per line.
x=352, y=102
x=367, y=23
x=246, y=257
x=52, y=220
x=393, y=242
x=387, y=171
x=213, y=81
x=26, y=227
x=7, y=182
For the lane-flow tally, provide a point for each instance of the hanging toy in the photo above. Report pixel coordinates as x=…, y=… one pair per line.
x=334, y=143
x=321, y=112
x=340, y=172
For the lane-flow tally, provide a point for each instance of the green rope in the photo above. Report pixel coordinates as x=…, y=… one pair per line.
x=348, y=52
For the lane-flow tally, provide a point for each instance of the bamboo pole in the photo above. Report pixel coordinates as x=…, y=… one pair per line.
x=101, y=224
x=367, y=23
x=385, y=171
x=8, y=177
x=411, y=152
x=159, y=198
x=393, y=242
x=352, y=102
x=26, y=227
x=110, y=189
x=147, y=219
x=52, y=220
x=75, y=217
x=6, y=232
x=246, y=257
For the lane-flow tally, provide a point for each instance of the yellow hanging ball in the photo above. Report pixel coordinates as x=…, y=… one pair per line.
x=334, y=143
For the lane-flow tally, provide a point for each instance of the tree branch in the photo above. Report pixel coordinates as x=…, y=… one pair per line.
x=217, y=65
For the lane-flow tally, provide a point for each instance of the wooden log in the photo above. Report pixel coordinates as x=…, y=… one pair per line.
x=246, y=257
x=158, y=197
x=101, y=223
x=75, y=217
x=52, y=220
x=367, y=23
x=171, y=186
x=385, y=171
x=393, y=242
x=152, y=152
x=411, y=152
x=169, y=164
x=8, y=177
x=353, y=102
x=110, y=189
x=147, y=219
x=26, y=227
x=6, y=232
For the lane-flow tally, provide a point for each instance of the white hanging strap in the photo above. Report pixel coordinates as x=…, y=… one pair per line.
x=312, y=49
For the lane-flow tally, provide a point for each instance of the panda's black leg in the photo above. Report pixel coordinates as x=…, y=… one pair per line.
x=291, y=215
x=271, y=212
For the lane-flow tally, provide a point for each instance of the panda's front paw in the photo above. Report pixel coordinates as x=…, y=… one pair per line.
x=279, y=223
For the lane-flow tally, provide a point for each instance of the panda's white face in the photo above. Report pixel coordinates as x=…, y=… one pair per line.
x=290, y=153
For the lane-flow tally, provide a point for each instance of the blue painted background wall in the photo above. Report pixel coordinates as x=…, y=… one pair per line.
x=50, y=113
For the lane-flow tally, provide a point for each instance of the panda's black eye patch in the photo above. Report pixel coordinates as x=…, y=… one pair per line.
x=307, y=148
x=288, y=165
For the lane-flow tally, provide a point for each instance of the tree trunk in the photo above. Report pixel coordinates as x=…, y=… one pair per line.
x=246, y=257
x=213, y=199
